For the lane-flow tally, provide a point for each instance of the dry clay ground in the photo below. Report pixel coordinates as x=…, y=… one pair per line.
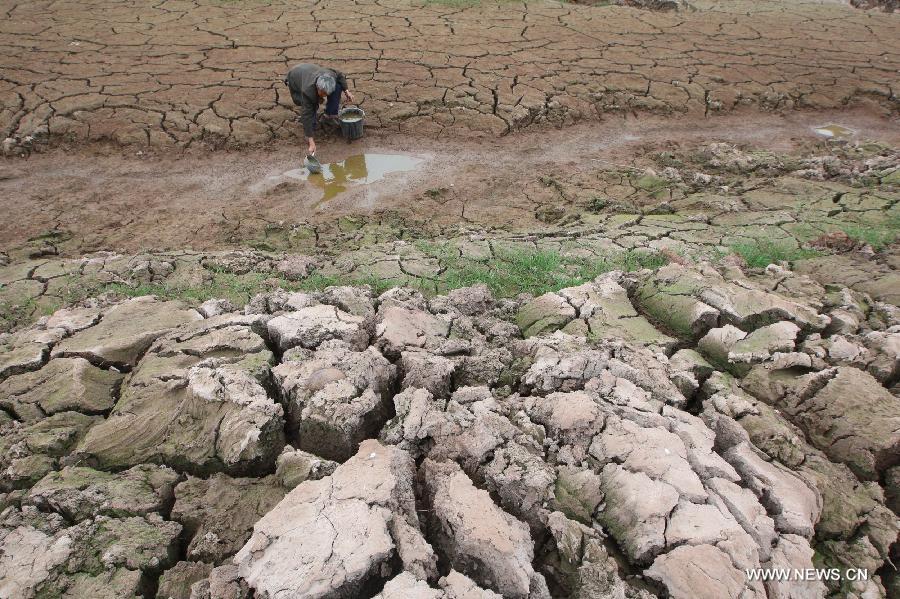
x=183, y=72
x=646, y=185
x=207, y=74
x=643, y=435
x=702, y=377
x=110, y=199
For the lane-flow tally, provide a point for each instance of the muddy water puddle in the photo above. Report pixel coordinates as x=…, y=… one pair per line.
x=359, y=169
x=834, y=131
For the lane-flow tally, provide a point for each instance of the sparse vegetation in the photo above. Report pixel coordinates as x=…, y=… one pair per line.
x=512, y=272
x=507, y=274
x=877, y=235
x=599, y=204
x=596, y=204
x=761, y=252
x=12, y=313
x=236, y=288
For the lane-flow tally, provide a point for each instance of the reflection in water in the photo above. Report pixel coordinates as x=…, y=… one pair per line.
x=835, y=131
x=357, y=169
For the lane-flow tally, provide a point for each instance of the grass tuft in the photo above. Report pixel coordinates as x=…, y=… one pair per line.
x=877, y=235
x=762, y=252
x=511, y=272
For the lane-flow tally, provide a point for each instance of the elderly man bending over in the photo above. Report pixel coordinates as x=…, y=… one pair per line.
x=310, y=84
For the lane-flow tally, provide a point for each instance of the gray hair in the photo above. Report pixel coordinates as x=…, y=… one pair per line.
x=325, y=83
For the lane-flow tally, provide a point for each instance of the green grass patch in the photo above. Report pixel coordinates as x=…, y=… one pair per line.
x=220, y=285
x=238, y=289
x=763, y=252
x=536, y=272
x=12, y=313
x=877, y=235
x=509, y=273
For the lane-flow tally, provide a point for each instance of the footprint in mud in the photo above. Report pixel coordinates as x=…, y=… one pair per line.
x=359, y=169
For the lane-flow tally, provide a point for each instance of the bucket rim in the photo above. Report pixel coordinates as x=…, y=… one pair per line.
x=351, y=110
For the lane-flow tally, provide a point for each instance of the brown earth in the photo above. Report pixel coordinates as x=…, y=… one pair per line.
x=126, y=202
x=186, y=72
x=645, y=433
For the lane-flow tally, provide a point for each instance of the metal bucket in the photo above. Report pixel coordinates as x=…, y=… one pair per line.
x=352, y=119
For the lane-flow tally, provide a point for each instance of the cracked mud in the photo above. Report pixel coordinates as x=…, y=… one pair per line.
x=184, y=73
x=604, y=305
x=648, y=432
x=651, y=433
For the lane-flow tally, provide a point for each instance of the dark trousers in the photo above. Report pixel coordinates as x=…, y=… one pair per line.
x=333, y=103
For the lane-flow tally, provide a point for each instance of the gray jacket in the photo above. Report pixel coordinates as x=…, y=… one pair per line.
x=301, y=80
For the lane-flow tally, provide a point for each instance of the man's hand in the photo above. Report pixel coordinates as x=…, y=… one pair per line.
x=312, y=147
x=349, y=95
